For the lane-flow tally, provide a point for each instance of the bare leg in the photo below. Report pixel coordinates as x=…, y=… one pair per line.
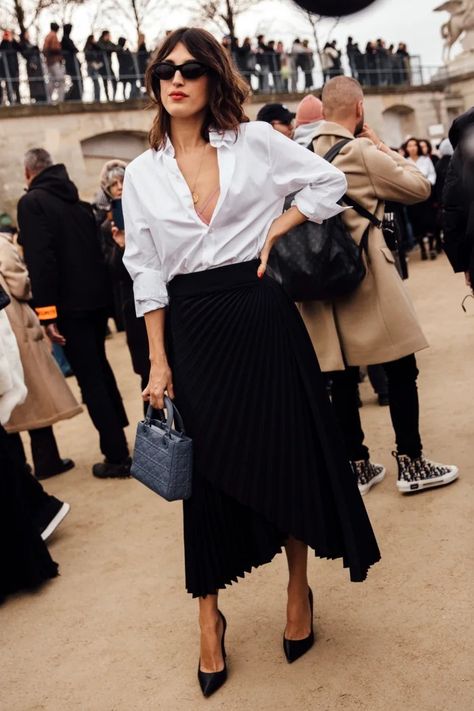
x=212, y=629
x=298, y=610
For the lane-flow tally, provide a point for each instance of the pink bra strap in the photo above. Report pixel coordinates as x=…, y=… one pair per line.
x=200, y=212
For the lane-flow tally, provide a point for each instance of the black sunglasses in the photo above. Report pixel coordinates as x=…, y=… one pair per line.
x=189, y=70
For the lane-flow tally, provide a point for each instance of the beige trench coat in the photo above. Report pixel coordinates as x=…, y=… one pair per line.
x=49, y=397
x=376, y=323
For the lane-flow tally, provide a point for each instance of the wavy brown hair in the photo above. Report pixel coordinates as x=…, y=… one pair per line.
x=418, y=145
x=227, y=91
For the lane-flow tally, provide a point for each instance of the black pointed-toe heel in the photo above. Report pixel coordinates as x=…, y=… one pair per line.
x=295, y=648
x=210, y=682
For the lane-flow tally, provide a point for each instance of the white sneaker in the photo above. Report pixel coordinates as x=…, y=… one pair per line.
x=54, y=522
x=421, y=473
x=368, y=474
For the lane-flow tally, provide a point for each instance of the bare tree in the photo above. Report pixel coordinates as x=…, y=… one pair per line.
x=314, y=20
x=65, y=8
x=24, y=14
x=133, y=13
x=222, y=14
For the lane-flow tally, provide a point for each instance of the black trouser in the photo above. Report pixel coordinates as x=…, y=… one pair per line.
x=44, y=450
x=404, y=407
x=85, y=349
x=378, y=379
x=33, y=496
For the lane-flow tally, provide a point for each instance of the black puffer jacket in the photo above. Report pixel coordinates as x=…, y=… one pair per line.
x=61, y=246
x=458, y=197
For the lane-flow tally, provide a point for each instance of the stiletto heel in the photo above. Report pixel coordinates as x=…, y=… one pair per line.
x=210, y=682
x=295, y=648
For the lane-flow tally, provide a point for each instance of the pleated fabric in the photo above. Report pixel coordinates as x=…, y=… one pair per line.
x=269, y=462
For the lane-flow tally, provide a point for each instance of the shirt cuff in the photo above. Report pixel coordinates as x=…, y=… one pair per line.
x=150, y=292
x=315, y=207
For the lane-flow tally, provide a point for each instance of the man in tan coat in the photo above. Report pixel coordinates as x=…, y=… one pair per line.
x=377, y=322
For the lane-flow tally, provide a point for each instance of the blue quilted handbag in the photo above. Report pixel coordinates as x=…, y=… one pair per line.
x=163, y=457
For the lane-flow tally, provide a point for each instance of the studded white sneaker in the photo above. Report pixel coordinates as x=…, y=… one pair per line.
x=368, y=474
x=421, y=473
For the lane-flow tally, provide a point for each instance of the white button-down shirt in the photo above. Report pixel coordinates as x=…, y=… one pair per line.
x=164, y=236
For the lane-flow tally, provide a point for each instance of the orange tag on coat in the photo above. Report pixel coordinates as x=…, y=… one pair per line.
x=46, y=313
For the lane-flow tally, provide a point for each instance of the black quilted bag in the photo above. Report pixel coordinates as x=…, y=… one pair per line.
x=163, y=456
x=321, y=262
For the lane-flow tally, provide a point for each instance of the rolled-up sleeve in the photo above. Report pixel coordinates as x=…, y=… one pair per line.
x=141, y=257
x=294, y=168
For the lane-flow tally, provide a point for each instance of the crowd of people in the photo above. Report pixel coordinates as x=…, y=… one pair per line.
x=59, y=69
x=379, y=65
x=240, y=353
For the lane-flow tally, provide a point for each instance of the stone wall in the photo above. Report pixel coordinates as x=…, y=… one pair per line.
x=85, y=136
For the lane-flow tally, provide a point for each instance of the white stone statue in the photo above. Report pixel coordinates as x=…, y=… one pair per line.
x=461, y=20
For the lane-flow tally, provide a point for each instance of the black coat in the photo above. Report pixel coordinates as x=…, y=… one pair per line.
x=61, y=246
x=107, y=48
x=127, y=70
x=441, y=167
x=458, y=197
x=9, y=51
x=34, y=70
x=135, y=329
x=143, y=55
x=70, y=51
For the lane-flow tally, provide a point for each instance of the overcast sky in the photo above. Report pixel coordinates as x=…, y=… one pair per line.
x=410, y=21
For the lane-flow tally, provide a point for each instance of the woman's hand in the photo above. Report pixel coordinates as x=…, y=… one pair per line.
x=279, y=227
x=118, y=236
x=161, y=381
x=272, y=238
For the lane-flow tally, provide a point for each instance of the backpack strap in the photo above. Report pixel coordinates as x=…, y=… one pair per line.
x=346, y=200
x=335, y=149
x=350, y=202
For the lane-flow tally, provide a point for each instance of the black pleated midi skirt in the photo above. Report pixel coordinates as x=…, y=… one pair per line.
x=269, y=462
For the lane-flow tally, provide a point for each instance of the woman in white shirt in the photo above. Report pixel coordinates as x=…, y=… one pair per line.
x=422, y=215
x=202, y=209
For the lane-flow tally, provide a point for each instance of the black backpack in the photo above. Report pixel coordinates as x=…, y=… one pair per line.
x=321, y=262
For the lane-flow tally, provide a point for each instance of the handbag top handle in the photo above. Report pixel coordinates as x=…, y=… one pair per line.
x=173, y=415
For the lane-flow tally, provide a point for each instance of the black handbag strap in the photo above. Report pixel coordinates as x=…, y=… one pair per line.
x=346, y=200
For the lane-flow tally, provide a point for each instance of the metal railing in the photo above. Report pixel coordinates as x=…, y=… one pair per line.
x=106, y=77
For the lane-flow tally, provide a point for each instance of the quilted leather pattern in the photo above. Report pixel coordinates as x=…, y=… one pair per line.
x=315, y=261
x=163, y=460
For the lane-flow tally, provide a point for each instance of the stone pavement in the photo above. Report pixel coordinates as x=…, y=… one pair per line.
x=117, y=632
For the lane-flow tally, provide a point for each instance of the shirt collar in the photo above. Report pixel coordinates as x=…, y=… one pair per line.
x=217, y=139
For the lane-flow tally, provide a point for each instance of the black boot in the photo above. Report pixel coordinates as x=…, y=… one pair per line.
x=111, y=470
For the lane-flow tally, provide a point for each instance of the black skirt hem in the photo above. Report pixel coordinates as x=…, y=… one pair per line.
x=224, y=583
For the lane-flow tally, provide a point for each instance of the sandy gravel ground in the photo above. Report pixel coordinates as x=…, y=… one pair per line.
x=117, y=632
